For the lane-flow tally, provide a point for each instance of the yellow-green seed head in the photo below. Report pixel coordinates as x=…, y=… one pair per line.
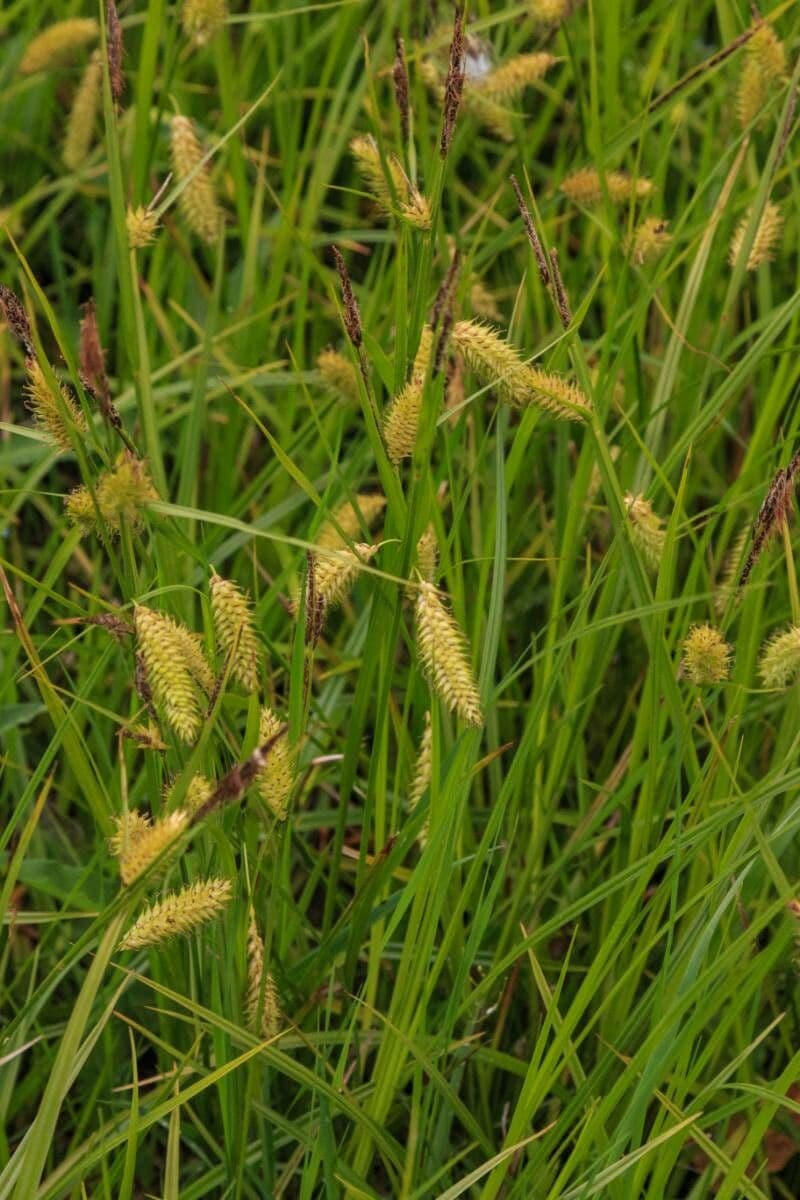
x=276, y=778
x=767, y=234
x=647, y=529
x=706, y=655
x=780, y=659
x=198, y=199
x=53, y=415
x=235, y=631
x=401, y=423
x=338, y=375
x=441, y=646
x=202, y=19
x=129, y=827
x=83, y=116
x=142, y=225
x=151, y=844
x=262, y=1002
x=178, y=913
x=650, y=240
x=585, y=187
x=59, y=44
x=163, y=644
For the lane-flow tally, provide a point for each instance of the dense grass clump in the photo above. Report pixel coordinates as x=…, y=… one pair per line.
x=400, y=639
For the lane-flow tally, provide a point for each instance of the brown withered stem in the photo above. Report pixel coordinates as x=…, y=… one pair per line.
x=400, y=80
x=531, y=234
x=713, y=61
x=352, y=317
x=774, y=513
x=315, y=605
x=17, y=319
x=114, y=43
x=233, y=785
x=454, y=85
x=443, y=341
x=116, y=626
x=92, y=369
x=562, y=303
x=444, y=296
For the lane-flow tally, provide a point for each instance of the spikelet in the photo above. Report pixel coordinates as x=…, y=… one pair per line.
x=647, y=529
x=178, y=913
x=584, y=187
x=141, y=224
x=347, y=520
x=201, y=19
x=482, y=302
x=198, y=200
x=147, y=737
x=262, y=1003
x=83, y=115
x=726, y=587
x=752, y=93
x=424, y=765
x=162, y=645
x=49, y=414
x=122, y=494
x=428, y=554
x=649, y=241
x=550, y=12
x=764, y=67
x=493, y=359
x=511, y=78
x=336, y=576
x=236, y=635
x=338, y=374
x=706, y=655
x=80, y=509
x=192, y=648
x=401, y=423
x=129, y=827
x=557, y=396
x=59, y=44
x=766, y=48
x=767, y=234
x=410, y=204
x=442, y=650
x=276, y=778
x=151, y=844
x=780, y=658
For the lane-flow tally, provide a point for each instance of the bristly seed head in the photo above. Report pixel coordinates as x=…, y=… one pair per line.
x=235, y=631
x=780, y=659
x=647, y=529
x=706, y=655
x=59, y=44
x=151, y=844
x=53, y=416
x=276, y=778
x=401, y=423
x=649, y=241
x=262, y=1002
x=768, y=231
x=178, y=913
x=585, y=187
x=122, y=495
x=338, y=374
x=407, y=202
x=198, y=199
x=202, y=19
x=163, y=645
x=441, y=646
x=142, y=225
x=82, y=118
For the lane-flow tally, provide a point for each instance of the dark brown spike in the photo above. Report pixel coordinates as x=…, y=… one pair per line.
x=531, y=234
x=562, y=303
x=16, y=318
x=352, y=317
x=400, y=80
x=114, y=44
x=454, y=85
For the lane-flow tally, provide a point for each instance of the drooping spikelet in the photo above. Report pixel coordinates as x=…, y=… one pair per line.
x=401, y=423
x=512, y=77
x=423, y=766
x=780, y=658
x=336, y=575
x=764, y=67
x=59, y=44
x=585, y=187
x=557, y=396
x=236, y=635
x=201, y=19
x=151, y=844
x=407, y=202
x=193, y=650
x=346, y=524
x=647, y=529
x=276, y=778
x=731, y=567
x=428, y=554
x=122, y=494
x=442, y=650
x=178, y=913
x=338, y=374
x=198, y=200
x=129, y=826
x=262, y=1002
x=141, y=224
x=83, y=115
x=752, y=93
x=51, y=414
x=162, y=644
x=650, y=240
x=706, y=655
x=767, y=234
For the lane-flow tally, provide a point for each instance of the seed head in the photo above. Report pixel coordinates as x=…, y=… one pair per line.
x=276, y=778
x=550, y=12
x=52, y=415
x=129, y=827
x=202, y=19
x=236, y=635
x=262, y=1003
x=178, y=913
x=334, y=576
x=142, y=226
x=407, y=202
x=650, y=240
x=732, y=565
x=198, y=791
x=198, y=200
x=423, y=766
x=764, y=67
x=428, y=554
x=401, y=423
x=163, y=644
x=151, y=844
x=147, y=737
x=442, y=650
x=83, y=116
x=122, y=495
x=59, y=44
x=483, y=302
x=584, y=187
x=647, y=529
x=780, y=659
x=555, y=395
x=767, y=234
x=706, y=655
x=338, y=375
x=507, y=81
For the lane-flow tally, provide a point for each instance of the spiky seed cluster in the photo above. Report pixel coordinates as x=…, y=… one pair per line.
x=650, y=240
x=507, y=81
x=50, y=414
x=585, y=187
x=201, y=19
x=163, y=645
x=483, y=302
x=129, y=826
x=151, y=844
x=346, y=524
x=178, y=913
x=276, y=778
x=83, y=115
x=647, y=529
x=198, y=200
x=59, y=44
x=407, y=201
x=122, y=494
x=726, y=587
x=780, y=659
x=235, y=632
x=336, y=575
x=428, y=554
x=706, y=655
x=764, y=67
x=424, y=765
x=338, y=374
x=767, y=234
x=147, y=737
x=401, y=423
x=442, y=650
x=262, y=1002
x=550, y=12
x=557, y=396
x=198, y=791
x=142, y=225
